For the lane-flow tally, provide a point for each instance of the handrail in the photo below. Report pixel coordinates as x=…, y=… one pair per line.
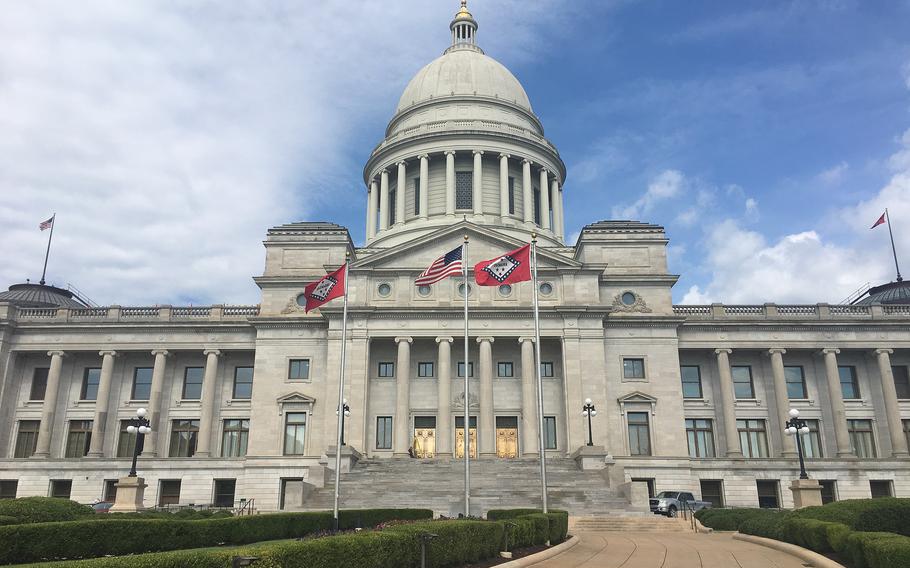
x=689, y=514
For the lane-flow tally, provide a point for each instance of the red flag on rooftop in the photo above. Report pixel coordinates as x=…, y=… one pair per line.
x=331, y=286
x=881, y=221
x=509, y=268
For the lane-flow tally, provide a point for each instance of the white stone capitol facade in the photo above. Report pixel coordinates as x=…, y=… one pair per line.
x=242, y=399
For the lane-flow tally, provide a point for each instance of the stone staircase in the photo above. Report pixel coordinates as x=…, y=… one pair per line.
x=648, y=524
x=495, y=484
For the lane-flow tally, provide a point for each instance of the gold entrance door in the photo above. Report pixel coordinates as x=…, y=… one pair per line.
x=459, y=443
x=507, y=437
x=425, y=442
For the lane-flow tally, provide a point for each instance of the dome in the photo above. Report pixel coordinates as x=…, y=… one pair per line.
x=890, y=293
x=464, y=72
x=40, y=296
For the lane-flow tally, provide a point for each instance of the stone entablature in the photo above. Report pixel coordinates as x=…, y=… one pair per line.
x=800, y=312
x=129, y=314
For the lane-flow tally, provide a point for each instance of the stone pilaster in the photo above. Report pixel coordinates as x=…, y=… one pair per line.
x=728, y=402
x=478, y=182
x=400, y=192
x=544, y=198
x=209, y=395
x=372, y=209
x=503, y=185
x=154, y=409
x=487, y=422
x=99, y=425
x=786, y=443
x=526, y=191
x=424, y=186
x=838, y=412
x=892, y=408
x=558, y=212
x=402, y=420
x=450, y=183
x=444, y=432
x=530, y=422
x=49, y=410
x=384, y=200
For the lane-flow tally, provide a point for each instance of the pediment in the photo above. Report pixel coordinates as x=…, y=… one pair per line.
x=295, y=398
x=637, y=396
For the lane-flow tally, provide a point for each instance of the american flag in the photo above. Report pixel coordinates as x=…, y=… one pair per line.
x=447, y=265
x=44, y=225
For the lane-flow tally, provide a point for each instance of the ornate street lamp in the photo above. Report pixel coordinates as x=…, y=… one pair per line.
x=589, y=411
x=347, y=412
x=140, y=426
x=798, y=428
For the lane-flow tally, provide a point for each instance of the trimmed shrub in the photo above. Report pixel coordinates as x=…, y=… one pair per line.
x=43, y=509
x=559, y=526
x=887, y=552
x=502, y=514
x=457, y=542
x=837, y=536
x=369, y=518
x=5, y=520
x=808, y=533
x=768, y=525
x=731, y=519
x=859, y=542
x=888, y=515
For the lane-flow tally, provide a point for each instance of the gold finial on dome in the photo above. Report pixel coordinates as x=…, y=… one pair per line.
x=463, y=13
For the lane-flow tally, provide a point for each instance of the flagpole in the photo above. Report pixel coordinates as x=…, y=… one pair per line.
x=467, y=399
x=893, y=249
x=51, y=236
x=344, y=338
x=540, y=431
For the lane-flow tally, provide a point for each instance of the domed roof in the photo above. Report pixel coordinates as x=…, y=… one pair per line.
x=40, y=296
x=464, y=72
x=891, y=293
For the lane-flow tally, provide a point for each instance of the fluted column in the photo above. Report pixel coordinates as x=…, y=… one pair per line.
x=401, y=191
x=402, y=418
x=154, y=410
x=487, y=422
x=424, y=186
x=503, y=185
x=728, y=402
x=99, y=425
x=478, y=182
x=450, y=183
x=372, y=209
x=384, y=200
x=207, y=415
x=49, y=409
x=526, y=191
x=557, y=209
x=544, y=198
x=787, y=443
x=444, y=398
x=892, y=408
x=841, y=436
x=530, y=422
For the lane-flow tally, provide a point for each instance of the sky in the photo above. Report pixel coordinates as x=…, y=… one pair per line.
x=767, y=137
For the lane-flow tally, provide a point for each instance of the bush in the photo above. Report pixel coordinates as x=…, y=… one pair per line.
x=858, y=543
x=886, y=552
x=43, y=509
x=732, y=519
x=503, y=514
x=369, y=518
x=888, y=515
x=557, y=521
x=458, y=542
x=559, y=526
x=768, y=525
x=6, y=520
x=808, y=533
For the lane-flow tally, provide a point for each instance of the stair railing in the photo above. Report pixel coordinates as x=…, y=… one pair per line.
x=247, y=507
x=689, y=515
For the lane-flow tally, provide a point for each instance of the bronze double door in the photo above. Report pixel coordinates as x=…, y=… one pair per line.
x=506, y=437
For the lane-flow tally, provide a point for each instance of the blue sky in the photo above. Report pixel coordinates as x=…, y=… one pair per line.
x=765, y=136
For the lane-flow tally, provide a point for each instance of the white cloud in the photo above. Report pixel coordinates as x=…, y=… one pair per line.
x=751, y=209
x=833, y=174
x=667, y=185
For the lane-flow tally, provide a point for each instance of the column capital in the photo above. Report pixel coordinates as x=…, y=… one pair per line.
x=384, y=171
x=478, y=152
x=884, y=351
x=107, y=352
x=830, y=351
x=725, y=350
x=164, y=352
x=485, y=339
x=506, y=156
x=526, y=338
x=544, y=170
x=404, y=339
x=423, y=157
x=401, y=163
x=56, y=353
x=449, y=152
x=215, y=352
x=777, y=351
x=444, y=340
x=526, y=161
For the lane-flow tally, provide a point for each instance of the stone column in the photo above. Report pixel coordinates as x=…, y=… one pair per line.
x=99, y=425
x=478, y=182
x=503, y=185
x=526, y=191
x=402, y=418
x=839, y=413
x=209, y=395
x=487, y=423
x=530, y=422
x=372, y=209
x=154, y=409
x=384, y=200
x=450, y=183
x=444, y=398
x=400, y=192
x=49, y=409
x=424, y=186
x=544, y=198
x=787, y=443
x=892, y=408
x=557, y=209
x=728, y=403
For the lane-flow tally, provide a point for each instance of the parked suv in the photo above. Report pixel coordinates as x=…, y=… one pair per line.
x=669, y=503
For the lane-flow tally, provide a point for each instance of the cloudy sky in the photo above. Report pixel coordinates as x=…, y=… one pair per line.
x=168, y=136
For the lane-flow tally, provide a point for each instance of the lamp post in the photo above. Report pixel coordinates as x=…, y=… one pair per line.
x=797, y=427
x=589, y=411
x=140, y=426
x=346, y=412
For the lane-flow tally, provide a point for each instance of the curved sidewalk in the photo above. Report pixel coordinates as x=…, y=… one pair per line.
x=667, y=550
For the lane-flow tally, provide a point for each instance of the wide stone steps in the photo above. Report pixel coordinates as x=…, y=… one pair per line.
x=653, y=523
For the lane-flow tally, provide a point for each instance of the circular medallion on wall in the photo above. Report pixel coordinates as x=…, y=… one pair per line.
x=505, y=290
x=628, y=298
x=546, y=288
x=424, y=290
x=461, y=290
x=301, y=300
x=384, y=289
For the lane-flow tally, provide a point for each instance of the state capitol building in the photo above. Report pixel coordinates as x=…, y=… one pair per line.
x=242, y=399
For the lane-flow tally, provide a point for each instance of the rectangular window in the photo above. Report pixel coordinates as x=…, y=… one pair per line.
x=168, y=492
x=906, y=424
x=192, y=383
x=546, y=369
x=426, y=369
x=849, y=385
x=27, y=438
x=243, y=383
x=416, y=196
x=383, y=432
x=299, y=370
x=294, y=433
x=235, y=437
x=901, y=381
x=691, y=381
x=505, y=369
x=633, y=368
x=511, y=195
x=881, y=488
x=393, y=195
x=536, y=192
x=126, y=442
x=142, y=383
x=812, y=442
x=464, y=190
x=78, y=439
x=224, y=492
x=61, y=488
x=753, y=438
x=796, y=382
x=639, y=434
x=549, y=432
x=768, y=493
x=461, y=369
x=387, y=369
x=184, y=435
x=90, y=380
x=700, y=433
x=742, y=382
x=861, y=438
x=8, y=488
x=39, y=384
x=110, y=490
x=712, y=491
x=829, y=490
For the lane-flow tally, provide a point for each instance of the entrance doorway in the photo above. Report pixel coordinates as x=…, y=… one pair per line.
x=507, y=437
x=459, y=437
x=425, y=436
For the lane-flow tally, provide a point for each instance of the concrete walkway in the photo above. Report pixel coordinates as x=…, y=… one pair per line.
x=667, y=550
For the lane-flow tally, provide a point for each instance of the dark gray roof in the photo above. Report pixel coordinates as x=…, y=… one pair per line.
x=890, y=293
x=622, y=225
x=40, y=296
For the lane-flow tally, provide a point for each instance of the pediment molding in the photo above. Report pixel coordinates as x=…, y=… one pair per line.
x=637, y=401
x=295, y=398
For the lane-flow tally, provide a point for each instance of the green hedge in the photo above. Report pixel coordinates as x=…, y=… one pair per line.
x=732, y=519
x=557, y=520
x=559, y=526
x=6, y=520
x=43, y=510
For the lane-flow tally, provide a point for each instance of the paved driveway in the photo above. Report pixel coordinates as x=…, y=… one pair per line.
x=667, y=550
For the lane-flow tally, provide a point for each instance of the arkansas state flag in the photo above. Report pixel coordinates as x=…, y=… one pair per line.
x=881, y=221
x=509, y=268
x=322, y=291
